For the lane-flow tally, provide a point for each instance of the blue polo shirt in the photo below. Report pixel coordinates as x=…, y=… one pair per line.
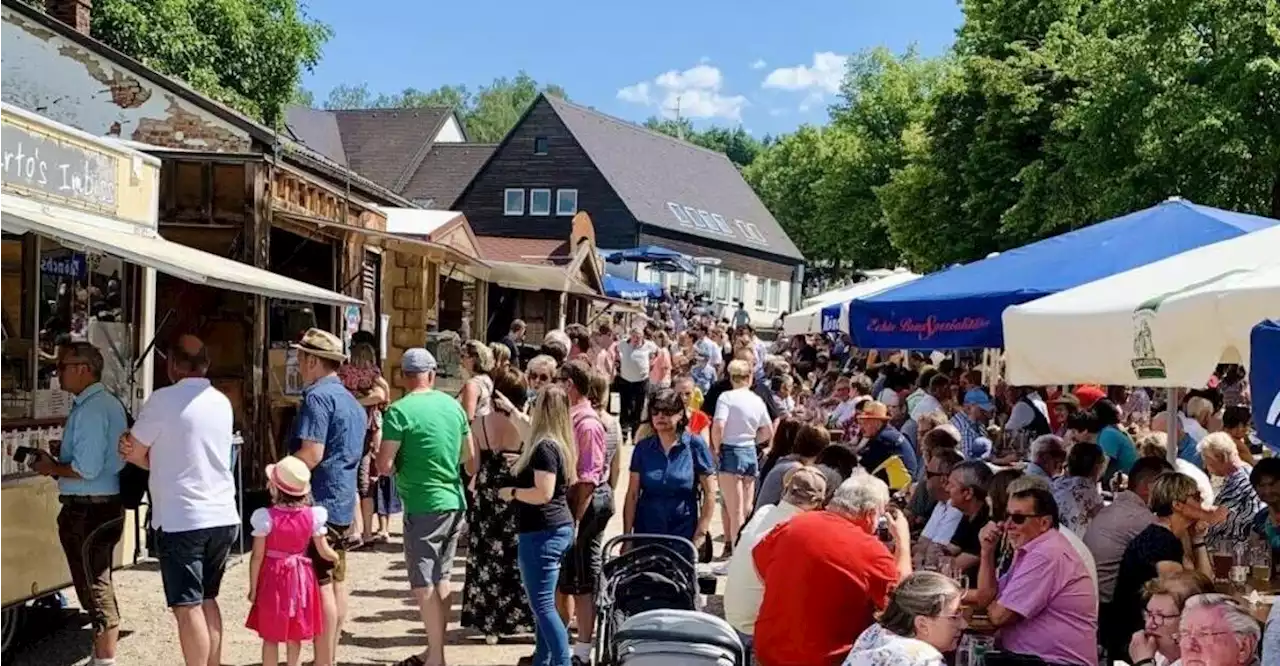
x=668, y=501
x=91, y=442
x=330, y=415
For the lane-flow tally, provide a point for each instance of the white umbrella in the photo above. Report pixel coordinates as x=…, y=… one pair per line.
x=809, y=319
x=1164, y=324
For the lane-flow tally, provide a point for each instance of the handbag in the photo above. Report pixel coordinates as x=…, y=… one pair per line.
x=134, y=480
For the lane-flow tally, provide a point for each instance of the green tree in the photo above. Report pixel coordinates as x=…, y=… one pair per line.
x=246, y=53
x=737, y=144
x=488, y=113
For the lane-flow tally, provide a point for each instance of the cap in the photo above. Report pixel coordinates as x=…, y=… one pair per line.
x=417, y=360
x=1089, y=394
x=805, y=485
x=976, y=396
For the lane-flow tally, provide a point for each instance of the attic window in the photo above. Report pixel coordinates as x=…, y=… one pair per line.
x=540, y=145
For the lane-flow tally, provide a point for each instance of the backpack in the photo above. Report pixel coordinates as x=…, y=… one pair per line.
x=134, y=480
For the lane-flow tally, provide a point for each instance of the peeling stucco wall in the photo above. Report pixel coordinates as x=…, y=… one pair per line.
x=58, y=78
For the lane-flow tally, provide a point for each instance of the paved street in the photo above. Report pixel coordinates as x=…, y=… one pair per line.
x=383, y=627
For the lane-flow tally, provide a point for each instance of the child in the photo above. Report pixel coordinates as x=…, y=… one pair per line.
x=283, y=588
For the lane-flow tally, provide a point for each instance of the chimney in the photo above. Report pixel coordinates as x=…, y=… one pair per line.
x=74, y=13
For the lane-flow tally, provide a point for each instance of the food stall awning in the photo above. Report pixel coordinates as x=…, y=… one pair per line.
x=144, y=246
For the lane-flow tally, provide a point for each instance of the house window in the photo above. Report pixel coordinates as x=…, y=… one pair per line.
x=707, y=280
x=737, y=288
x=760, y=293
x=566, y=202
x=540, y=202
x=721, y=224
x=775, y=295
x=693, y=215
x=706, y=220
x=680, y=214
x=540, y=144
x=722, y=285
x=513, y=201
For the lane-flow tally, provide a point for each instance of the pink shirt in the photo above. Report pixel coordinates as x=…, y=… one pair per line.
x=1049, y=586
x=660, y=368
x=588, y=434
x=603, y=361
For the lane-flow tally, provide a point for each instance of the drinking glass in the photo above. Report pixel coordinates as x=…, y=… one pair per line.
x=1260, y=567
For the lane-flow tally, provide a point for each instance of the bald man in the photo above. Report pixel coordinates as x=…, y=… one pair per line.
x=183, y=435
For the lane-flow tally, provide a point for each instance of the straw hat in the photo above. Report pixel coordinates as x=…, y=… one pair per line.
x=290, y=476
x=874, y=411
x=322, y=344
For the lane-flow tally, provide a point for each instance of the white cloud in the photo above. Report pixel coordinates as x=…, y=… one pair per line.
x=759, y=64
x=697, y=92
x=777, y=112
x=823, y=77
x=637, y=94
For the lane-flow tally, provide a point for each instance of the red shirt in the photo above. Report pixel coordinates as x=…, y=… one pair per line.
x=824, y=577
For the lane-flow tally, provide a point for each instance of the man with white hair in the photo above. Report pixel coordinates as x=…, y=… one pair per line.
x=825, y=573
x=1048, y=456
x=1216, y=630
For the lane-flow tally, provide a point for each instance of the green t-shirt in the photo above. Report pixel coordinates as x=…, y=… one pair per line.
x=430, y=427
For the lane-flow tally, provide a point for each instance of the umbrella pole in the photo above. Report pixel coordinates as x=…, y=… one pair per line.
x=1171, y=413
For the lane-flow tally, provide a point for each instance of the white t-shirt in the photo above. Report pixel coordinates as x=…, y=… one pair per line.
x=927, y=403
x=743, y=413
x=634, y=360
x=942, y=522
x=889, y=397
x=846, y=410
x=188, y=429
x=744, y=591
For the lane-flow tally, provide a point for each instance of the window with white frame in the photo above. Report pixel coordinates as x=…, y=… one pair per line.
x=722, y=285
x=707, y=280
x=738, y=279
x=540, y=202
x=566, y=202
x=760, y=293
x=775, y=295
x=513, y=201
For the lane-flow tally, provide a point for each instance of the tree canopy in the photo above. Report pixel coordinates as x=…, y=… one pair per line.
x=249, y=54
x=488, y=113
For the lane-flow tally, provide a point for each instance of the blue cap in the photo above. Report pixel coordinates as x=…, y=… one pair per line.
x=976, y=396
x=417, y=361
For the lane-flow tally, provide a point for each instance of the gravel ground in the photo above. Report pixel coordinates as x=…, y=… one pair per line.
x=383, y=626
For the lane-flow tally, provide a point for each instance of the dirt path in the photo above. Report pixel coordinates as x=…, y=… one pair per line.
x=383, y=626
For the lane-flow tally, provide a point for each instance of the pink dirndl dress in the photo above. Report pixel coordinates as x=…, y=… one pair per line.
x=287, y=605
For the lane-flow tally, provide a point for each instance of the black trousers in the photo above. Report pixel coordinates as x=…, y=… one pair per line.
x=631, y=395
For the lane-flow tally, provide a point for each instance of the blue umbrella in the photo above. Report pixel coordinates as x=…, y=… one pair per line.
x=1264, y=381
x=630, y=289
x=660, y=259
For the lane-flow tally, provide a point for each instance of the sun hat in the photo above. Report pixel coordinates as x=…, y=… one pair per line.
x=290, y=476
x=322, y=344
x=976, y=396
x=874, y=410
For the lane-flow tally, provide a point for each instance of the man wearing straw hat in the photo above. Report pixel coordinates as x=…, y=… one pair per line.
x=328, y=435
x=882, y=441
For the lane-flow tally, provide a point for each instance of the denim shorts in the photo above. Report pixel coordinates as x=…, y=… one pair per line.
x=192, y=563
x=739, y=460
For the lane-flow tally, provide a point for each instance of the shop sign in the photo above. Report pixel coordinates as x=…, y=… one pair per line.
x=72, y=266
x=43, y=164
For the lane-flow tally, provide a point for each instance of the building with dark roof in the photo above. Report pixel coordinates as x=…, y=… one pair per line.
x=640, y=188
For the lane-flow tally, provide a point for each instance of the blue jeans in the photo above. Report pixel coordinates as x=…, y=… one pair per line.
x=540, y=554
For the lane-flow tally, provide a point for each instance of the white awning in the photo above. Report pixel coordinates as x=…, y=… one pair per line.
x=146, y=247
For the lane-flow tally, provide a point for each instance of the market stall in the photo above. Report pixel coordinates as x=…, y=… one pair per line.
x=81, y=253
x=829, y=312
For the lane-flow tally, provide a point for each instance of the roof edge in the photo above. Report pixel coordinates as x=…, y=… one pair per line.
x=415, y=162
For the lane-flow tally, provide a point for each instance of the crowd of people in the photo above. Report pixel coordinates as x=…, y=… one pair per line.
x=874, y=511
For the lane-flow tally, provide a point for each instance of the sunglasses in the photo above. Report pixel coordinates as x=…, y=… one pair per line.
x=540, y=376
x=668, y=412
x=1020, y=518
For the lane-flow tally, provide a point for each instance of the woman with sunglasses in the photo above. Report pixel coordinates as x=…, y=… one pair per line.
x=672, y=488
x=921, y=623
x=1157, y=642
x=477, y=394
x=1180, y=517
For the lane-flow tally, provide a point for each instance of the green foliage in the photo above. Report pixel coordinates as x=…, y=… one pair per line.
x=737, y=144
x=488, y=113
x=246, y=53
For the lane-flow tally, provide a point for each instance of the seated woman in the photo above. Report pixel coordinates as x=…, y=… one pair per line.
x=920, y=624
x=1076, y=492
x=672, y=488
x=1157, y=642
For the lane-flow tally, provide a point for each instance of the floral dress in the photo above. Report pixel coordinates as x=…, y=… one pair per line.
x=493, y=598
x=879, y=647
x=1078, y=502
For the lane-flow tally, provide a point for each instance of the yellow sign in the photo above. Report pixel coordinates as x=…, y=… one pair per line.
x=45, y=160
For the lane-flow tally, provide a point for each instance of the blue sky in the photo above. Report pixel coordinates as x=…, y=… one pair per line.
x=767, y=65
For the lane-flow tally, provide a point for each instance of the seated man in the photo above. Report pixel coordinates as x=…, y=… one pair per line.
x=1046, y=605
x=944, y=518
x=825, y=573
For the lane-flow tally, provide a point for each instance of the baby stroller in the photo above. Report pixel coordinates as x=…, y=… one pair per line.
x=652, y=573
x=677, y=638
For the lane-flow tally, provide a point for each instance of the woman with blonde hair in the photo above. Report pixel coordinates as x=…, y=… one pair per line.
x=477, y=394
x=546, y=467
x=741, y=422
x=501, y=355
x=1237, y=496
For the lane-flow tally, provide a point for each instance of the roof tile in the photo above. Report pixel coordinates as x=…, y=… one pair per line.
x=537, y=251
x=446, y=171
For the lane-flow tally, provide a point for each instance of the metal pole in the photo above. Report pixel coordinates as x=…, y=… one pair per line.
x=1171, y=413
x=237, y=447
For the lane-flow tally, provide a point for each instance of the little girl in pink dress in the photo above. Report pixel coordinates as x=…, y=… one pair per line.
x=283, y=588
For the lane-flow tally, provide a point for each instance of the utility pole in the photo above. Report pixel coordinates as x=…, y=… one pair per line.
x=679, y=121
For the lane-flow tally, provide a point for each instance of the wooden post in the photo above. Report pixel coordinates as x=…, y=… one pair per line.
x=256, y=251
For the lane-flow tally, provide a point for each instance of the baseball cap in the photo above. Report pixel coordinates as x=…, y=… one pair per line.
x=1088, y=394
x=976, y=396
x=417, y=360
x=806, y=484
